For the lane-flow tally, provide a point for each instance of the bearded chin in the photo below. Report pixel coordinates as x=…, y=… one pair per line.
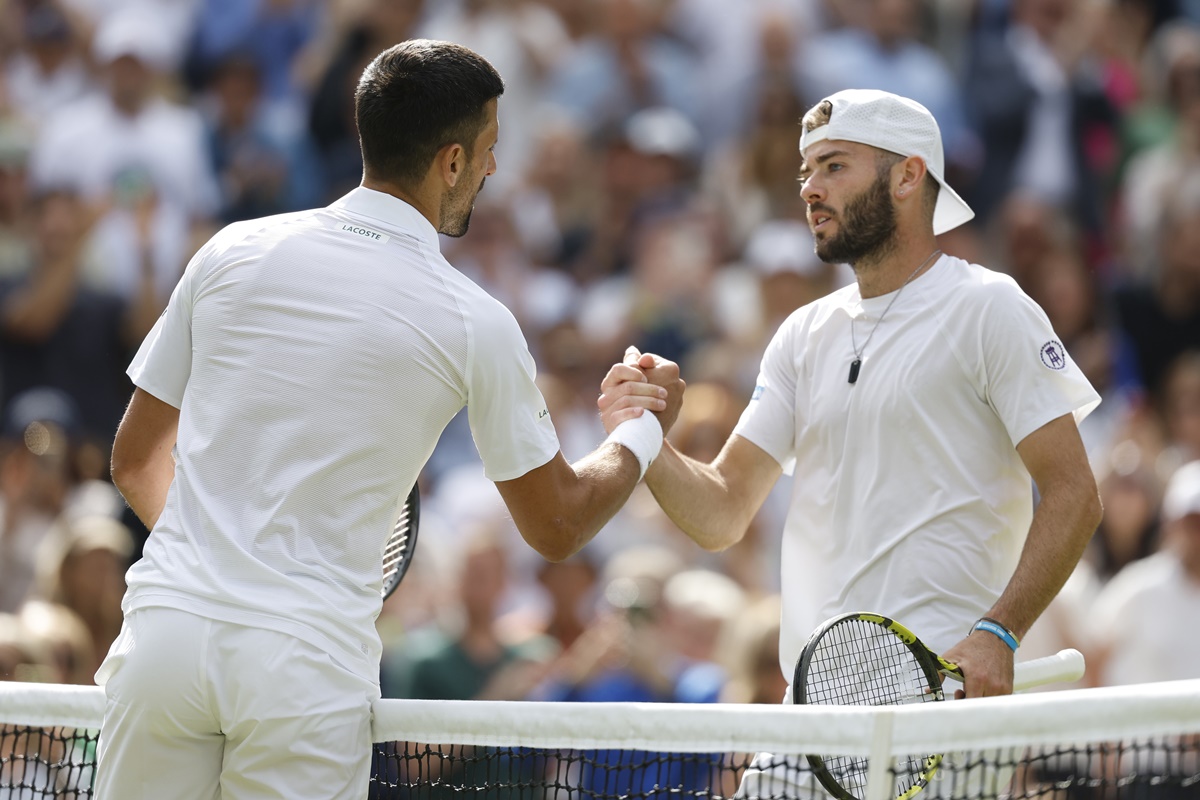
x=456, y=210
x=867, y=227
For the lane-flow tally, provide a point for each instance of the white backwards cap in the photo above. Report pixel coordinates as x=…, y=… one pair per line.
x=898, y=125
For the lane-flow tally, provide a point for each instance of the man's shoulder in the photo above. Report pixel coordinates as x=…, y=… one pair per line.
x=966, y=282
x=248, y=228
x=236, y=236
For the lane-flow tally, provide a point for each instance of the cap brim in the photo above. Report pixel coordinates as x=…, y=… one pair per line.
x=950, y=211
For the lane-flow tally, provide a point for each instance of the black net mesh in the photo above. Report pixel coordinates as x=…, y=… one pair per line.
x=46, y=762
x=1147, y=770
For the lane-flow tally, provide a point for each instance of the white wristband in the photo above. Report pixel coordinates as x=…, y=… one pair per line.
x=642, y=436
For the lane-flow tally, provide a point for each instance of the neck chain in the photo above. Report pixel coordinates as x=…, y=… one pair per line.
x=856, y=364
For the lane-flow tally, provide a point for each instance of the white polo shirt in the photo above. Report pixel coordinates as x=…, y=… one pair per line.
x=909, y=499
x=316, y=358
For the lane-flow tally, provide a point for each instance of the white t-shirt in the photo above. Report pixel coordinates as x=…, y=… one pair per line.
x=315, y=359
x=909, y=498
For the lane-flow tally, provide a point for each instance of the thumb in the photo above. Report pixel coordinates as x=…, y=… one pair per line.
x=648, y=361
x=633, y=356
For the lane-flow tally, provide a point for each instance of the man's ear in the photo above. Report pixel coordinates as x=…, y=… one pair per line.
x=911, y=174
x=450, y=162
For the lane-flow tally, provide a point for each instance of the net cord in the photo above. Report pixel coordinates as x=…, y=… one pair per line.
x=1075, y=717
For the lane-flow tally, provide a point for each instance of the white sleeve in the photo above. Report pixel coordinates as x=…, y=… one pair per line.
x=163, y=363
x=769, y=421
x=1029, y=378
x=509, y=420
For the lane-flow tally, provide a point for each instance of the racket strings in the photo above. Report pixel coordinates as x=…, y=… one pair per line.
x=859, y=662
x=396, y=549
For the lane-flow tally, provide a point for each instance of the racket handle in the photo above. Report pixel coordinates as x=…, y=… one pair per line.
x=1062, y=667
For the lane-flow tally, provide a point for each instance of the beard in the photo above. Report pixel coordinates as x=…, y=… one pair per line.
x=457, y=206
x=867, y=227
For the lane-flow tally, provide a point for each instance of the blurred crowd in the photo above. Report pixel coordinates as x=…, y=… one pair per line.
x=647, y=194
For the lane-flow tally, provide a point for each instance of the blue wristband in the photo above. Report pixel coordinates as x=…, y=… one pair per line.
x=991, y=626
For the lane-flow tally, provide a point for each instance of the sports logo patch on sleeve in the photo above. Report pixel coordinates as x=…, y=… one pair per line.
x=1053, y=355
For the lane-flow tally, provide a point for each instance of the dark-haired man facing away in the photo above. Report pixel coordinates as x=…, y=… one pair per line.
x=288, y=398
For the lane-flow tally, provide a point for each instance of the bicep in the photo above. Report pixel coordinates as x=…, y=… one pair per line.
x=533, y=496
x=1054, y=455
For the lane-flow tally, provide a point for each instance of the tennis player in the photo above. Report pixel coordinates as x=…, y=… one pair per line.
x=914, y=405
x=286, y=401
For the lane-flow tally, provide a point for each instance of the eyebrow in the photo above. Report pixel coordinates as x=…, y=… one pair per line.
x=821, y=159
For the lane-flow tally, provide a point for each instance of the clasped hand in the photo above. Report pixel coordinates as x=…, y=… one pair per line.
x=642, y=382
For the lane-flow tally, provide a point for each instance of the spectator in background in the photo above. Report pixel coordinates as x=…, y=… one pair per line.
x=570, y=586
x=664, y=301
x=268, y=33
x=753, y=180
x=35, y=481
x=49, y=72
x=1034, y=110
x=789, y=273
x=626, y=66
x=64, y=639
x=751, y=653
x=738, y=53
x=16, y=245
x=1181, y=405
x=1152, y=174
x=649, y=171
x=1136, y=641
x=698, y=605
x=262, y=168
x=555, y=209
x=55, y=330
x=84, y=571
x=20, y=660
x=624, y=655
x=334, y=67
x=470, y=661
x=1131, y=492
x=883, y=52
x=121, y=147
x=1162, y=318
x=524, y=42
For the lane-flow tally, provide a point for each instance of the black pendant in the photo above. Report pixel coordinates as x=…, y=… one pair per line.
x=854, y=367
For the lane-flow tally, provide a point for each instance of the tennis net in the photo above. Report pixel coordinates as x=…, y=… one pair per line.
x=1139, y=743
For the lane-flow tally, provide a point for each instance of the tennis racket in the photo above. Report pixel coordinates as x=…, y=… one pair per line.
x=398, y=552
x=868, y=659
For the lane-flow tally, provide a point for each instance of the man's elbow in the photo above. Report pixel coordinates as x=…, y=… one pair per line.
x=1084, y=495
x=556, y=539
x=124, y=468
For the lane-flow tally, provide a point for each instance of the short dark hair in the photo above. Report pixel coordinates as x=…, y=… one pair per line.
x=415, y=98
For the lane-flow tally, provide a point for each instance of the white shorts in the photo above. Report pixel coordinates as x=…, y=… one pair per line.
x=200, y=709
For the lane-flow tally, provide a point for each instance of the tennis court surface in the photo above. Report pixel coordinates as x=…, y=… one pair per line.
x=1136, y=742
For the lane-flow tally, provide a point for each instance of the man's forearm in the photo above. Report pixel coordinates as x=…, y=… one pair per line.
x=700, y=499
x=1063, y=523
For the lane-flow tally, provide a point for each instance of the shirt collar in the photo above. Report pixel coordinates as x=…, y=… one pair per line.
x=391, y=210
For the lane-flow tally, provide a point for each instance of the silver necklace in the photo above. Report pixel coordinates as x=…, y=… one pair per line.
x=856, y=364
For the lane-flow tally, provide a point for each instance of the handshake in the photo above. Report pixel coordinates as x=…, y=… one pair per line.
x=639, y=401
x=642, y=382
